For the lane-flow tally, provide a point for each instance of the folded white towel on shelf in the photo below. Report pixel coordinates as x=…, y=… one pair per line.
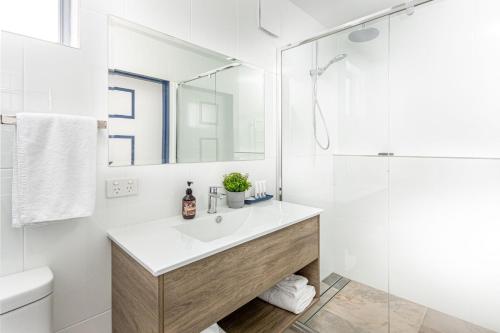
x=213, y=329
x=296, y=302
x=292, y=284
x=54, y=174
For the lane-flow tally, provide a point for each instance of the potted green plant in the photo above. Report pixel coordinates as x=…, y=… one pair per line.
x=236, y=184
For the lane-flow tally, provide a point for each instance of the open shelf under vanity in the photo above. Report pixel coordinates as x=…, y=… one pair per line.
x=260, y=316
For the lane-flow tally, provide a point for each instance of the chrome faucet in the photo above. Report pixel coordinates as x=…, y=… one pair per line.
x=213, y=197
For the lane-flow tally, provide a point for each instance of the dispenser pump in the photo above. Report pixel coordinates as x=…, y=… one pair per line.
x=189, y=190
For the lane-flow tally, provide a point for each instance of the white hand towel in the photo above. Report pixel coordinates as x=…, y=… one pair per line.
x=293, y=303
x=292, y=284
x=54, y=176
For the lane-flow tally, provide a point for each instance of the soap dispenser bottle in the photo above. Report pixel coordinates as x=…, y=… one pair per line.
x=189, y=203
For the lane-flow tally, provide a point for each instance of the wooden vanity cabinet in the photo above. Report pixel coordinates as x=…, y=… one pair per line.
x=220, y=288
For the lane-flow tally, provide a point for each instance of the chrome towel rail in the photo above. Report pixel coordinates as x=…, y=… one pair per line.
x=11, y=120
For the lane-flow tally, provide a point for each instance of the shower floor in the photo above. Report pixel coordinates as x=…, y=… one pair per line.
x=350, y=307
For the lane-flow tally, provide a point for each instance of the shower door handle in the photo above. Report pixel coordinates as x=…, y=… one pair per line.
x=385, y=154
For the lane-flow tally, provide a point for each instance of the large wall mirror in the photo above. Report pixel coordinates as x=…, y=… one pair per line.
x=170, y=101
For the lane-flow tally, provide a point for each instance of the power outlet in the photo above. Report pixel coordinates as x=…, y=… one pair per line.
x=116, y=188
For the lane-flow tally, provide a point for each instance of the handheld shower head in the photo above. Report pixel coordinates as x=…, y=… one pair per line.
x=320, y=70
x=315, y=74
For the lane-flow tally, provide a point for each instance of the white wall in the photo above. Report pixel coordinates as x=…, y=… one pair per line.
x=45, y=77
x=334, y=13
x=444, y=236
x=445, y=60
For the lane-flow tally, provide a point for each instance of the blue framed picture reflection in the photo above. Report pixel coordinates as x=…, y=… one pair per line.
x=126, y=98
x=131, y=139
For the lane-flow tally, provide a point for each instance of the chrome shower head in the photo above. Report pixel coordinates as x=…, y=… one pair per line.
x=319, y=71
x=364, y=35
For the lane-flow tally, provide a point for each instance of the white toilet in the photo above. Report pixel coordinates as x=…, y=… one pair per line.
x=26, y=302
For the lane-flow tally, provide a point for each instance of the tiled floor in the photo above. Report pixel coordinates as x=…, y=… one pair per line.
x=351, y=307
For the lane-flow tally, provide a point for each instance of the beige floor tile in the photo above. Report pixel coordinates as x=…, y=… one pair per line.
x=327, y=322
x=358, y=308
x=363, y=307
x=438, y=322
x=366, y=308
x=298, y=329
x=405, y=316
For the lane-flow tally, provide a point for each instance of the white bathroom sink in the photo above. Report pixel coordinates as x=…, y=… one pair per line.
x=164, y=245
x=215, y=226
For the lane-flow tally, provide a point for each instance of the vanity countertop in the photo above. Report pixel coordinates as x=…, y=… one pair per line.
x=164, y=245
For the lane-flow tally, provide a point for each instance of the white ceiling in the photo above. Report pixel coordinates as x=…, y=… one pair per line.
x=331, y=13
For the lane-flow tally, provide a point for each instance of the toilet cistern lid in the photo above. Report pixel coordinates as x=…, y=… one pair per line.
x=20, y=289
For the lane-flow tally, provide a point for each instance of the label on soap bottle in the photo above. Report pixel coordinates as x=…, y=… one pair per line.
x=189, y=208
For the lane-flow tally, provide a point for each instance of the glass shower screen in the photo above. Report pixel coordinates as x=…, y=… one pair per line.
x=335, y=90
x=410, y=180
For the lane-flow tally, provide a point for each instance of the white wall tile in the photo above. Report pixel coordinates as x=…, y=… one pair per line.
x=68, y=80
x=208, y=174
x=353, y=191
x=94, y=49
x=308, y=180
x=7, y=138
x=78, y=253
x=359, y=111
x=444, y=236
x=11, y=73
x=271, y=114
x=296, y=24
x=444, y=80
x=254, y=45
x=360, y=217
x=168, y=16
x=111, y=7
x=12, y=95
x=97, y=324
x=296, y=89
x=11, y=239
x=270, y=15
x=161, y=188
x=214, y=25
x=49, y=68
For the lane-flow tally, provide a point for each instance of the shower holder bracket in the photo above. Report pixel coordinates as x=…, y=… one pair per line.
x=410, y=7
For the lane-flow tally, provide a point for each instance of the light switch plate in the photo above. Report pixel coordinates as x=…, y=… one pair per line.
x=116, y=188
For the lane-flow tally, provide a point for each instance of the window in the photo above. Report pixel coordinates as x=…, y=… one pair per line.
x=51, y=20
